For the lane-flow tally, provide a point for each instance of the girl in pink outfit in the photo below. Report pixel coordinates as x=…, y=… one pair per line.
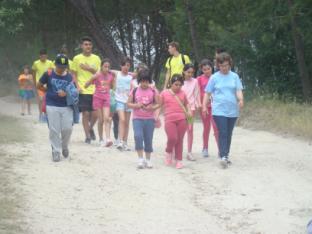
x=144, y=100
x=207, y=68
x=191, y=89
x=104, y=81
x=176, y=111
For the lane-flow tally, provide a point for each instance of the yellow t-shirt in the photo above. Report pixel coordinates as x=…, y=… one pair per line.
x=83, y=76
x=41, y=67
x=176, y=64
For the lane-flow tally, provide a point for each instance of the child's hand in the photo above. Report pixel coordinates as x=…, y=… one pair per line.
x=148, y=108
x=204, y=111
x=61, y=93
x=85, y=66
x=241, y=104
x=139, y=105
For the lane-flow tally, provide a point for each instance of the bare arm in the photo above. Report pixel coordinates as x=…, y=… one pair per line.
x=167, y=77
x=240, y=98
x=89, y=82
x=206, y=100
x=133, y=105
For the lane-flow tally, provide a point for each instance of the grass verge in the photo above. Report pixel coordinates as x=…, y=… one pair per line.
x=276, y=116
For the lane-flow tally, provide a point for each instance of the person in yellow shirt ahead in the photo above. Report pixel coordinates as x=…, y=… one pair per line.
x=39, y=67
x=175, y=63
x=84, y=66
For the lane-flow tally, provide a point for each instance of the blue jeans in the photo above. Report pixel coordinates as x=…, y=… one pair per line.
x=143, y=133
x=225, y=127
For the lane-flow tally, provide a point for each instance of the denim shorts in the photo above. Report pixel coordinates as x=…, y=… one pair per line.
x=120, y=106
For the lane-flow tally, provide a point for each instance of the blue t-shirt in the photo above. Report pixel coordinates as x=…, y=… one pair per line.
x=223, y=89
x=55, y=83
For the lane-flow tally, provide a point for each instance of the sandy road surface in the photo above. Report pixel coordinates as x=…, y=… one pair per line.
x=268, y=189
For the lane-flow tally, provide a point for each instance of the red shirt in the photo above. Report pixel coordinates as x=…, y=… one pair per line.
x=202, y=82
x=173, y=111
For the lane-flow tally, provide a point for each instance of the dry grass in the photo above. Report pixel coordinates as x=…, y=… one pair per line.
x=12, y=131
x=275, y=116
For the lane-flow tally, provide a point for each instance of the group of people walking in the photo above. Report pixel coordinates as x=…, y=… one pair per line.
x=104, y=96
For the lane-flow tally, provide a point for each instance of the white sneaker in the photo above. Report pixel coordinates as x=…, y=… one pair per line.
x=224, y=162
x=116, y=142
x=120, y=145
x=190, y=157
x=148, y=164
x=141, y=163
x=102, y=143
x=126, y=147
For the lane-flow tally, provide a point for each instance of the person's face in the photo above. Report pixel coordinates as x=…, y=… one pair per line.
x=224, y=67
x=207, y=70
x=60, y=70
x=86, y=47
x=144, y=84
x=106, y=67
x=171, y=50
x=26, y=71
x=125, y=68
x=176, y=86
x=188, y=73
x=43, y=57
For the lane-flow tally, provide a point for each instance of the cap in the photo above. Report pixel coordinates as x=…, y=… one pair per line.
x=61, y=61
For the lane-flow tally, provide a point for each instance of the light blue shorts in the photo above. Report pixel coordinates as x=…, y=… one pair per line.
x=120, y=106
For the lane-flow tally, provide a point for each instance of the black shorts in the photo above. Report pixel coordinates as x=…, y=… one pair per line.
x=85, y=102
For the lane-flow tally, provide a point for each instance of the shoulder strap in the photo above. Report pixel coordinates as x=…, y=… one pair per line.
x=133, y=94
x=183, y=59
x=179, y=101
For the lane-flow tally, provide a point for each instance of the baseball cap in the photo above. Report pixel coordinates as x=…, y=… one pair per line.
x=61, y=61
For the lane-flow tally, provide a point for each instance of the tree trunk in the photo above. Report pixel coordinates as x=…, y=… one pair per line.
x=191, y=22
x=299, y=47
x=102, y=37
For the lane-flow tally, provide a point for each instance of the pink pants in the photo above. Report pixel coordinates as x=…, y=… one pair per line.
x=190, y=135
x=175, y=134
x=207, y=121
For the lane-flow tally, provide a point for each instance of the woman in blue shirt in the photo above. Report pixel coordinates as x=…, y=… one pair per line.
x=225, y=90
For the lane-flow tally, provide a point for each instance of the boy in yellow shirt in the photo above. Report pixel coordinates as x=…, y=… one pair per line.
x=84, y=66
x=39, y=67
x=175, y=63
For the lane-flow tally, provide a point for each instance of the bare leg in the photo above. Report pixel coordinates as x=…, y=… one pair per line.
x=106, y=118
x=121, y=127
x=29, y=107
x=127, y=120
x=85, y=123
x=100, y=123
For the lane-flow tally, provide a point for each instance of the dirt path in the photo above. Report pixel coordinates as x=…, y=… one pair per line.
x=267, y=190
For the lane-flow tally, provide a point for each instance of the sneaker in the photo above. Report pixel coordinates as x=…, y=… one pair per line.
x=116, y=142
x=148, y=164
x=205, y=153
x=65, y=153
x=126, y=147
x=224, y=162
x=92, y=134
x=56, y=157
x=88, y=140
x=179, y=164
x=102, y=143
x=109, y=143
x=120, y=146
x=141, y=163
x=190, y=157
x=168, y=159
